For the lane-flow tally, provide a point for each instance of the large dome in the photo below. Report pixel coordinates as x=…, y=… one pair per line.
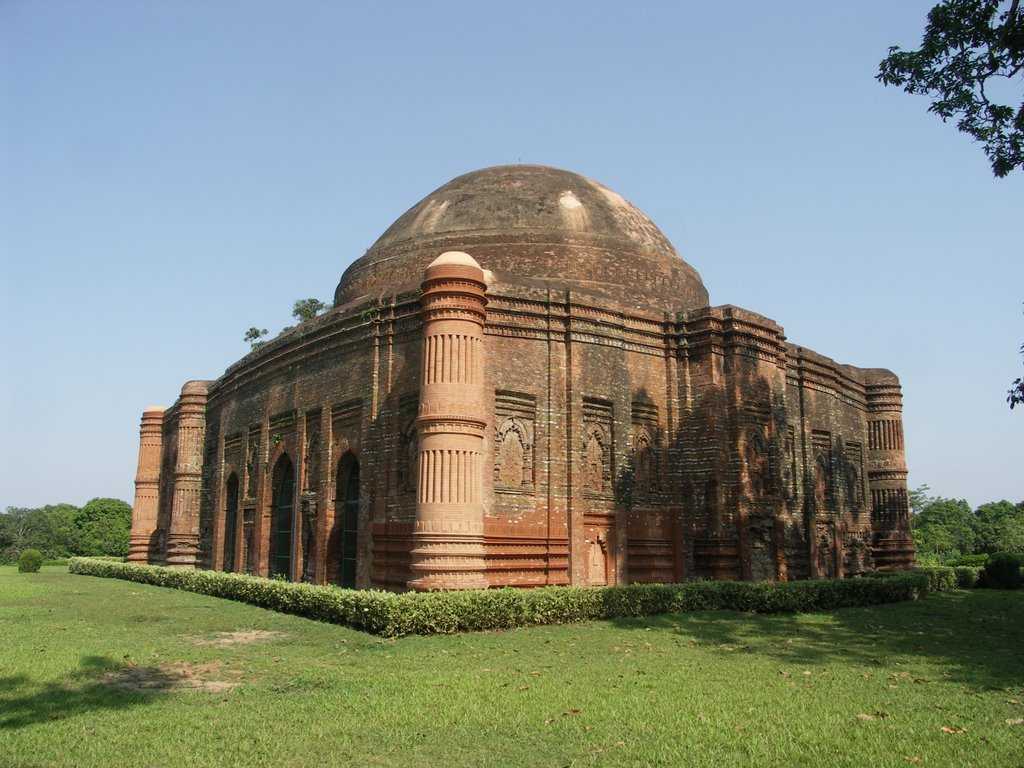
x=534, y=227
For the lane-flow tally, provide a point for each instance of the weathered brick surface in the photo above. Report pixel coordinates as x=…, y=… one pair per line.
x=625, y=439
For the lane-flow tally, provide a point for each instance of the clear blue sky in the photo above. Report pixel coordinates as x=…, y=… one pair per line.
x=172, y=173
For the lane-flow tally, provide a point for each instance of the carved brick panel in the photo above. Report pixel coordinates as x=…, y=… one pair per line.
x=821, y=444
x=596, y=459
x=514, y=423
x=407, y=458
x=853, y=476
x=645, y=450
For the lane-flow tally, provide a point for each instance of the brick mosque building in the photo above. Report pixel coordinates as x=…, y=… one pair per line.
x=522, y=383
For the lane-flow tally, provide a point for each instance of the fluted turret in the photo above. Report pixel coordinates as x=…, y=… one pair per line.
x=145, y=510
x=448, y=549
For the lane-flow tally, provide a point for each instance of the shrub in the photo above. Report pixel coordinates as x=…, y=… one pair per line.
x=941, y=578
x=972, y=560
x=1003, y=570
x=30, y=561
x=967, y=576
x=393, y=614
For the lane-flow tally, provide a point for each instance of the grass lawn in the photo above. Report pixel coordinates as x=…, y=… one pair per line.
x=101, y=672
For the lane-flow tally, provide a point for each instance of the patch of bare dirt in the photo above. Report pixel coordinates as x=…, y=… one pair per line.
x=246, y=637
x=175, y=676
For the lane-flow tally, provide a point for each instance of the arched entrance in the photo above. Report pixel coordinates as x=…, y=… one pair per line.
x=281, y=516
x=346, y=510
x=230, y=521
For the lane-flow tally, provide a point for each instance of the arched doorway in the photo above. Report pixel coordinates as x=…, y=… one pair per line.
x=230, y=521
x=281, y=514
x=346, y=510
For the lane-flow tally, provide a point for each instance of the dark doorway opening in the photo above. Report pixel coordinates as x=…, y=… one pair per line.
x=230, y=521
x=346, y=507
x=281, y=518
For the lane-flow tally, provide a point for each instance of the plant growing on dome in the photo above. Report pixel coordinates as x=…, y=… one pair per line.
x=307, y=309
x=253, y=336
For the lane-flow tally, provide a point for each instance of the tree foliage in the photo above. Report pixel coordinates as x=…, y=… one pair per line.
x=101, y=527
x=1015, y=396
x=946, y=528
x=968, y=47
x=918, y=498
x=307, y=309
x=50, y=529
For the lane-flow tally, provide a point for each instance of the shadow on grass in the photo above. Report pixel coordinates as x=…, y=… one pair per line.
x=94, y=686
x=976, y=636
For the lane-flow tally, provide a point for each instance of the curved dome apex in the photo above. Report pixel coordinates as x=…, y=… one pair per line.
x=532, y=198
x=530, y=223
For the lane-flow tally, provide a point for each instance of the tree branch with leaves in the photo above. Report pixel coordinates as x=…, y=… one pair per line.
x=967, y=45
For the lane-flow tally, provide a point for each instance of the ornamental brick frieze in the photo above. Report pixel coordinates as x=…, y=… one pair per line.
x=513, y=320
x=451, y=313
x=537, y=334
x=444, y=423
x=896, y=473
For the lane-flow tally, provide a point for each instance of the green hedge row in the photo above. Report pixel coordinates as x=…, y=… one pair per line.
x=1004, y=570
x=968, y=576
x=393, y=614
x=943, y=578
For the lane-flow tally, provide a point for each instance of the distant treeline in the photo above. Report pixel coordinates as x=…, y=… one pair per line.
x=945, y=529
x=101, y=527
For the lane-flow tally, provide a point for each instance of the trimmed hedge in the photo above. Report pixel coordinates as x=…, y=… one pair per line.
x=971, y=560
x=424, y=613
x=968, y=576
x=941, y=578
x=1003, y=570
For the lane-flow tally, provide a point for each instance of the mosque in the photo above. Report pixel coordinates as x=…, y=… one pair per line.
x=521, y=383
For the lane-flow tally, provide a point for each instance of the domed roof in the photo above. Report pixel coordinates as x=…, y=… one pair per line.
x=533, y=226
